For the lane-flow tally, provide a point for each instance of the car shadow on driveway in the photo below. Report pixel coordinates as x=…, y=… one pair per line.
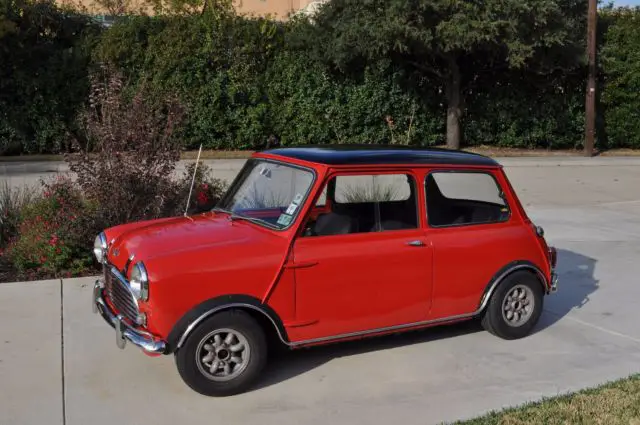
x=576, y=283
x=286, y=365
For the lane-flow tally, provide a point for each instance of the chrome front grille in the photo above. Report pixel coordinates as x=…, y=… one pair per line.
x=118, y=292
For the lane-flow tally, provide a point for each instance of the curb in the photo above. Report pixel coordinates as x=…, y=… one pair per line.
x=71, y=280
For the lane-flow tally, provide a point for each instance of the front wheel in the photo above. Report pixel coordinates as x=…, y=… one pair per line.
x=515, y=307
x=224, y=355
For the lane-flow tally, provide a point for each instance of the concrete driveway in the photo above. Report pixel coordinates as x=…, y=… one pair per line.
x=59, y=363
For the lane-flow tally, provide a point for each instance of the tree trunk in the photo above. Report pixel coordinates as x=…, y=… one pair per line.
x=454, y=105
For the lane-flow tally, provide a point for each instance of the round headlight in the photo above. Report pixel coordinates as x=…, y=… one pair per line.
x=139, y=282
x=100, y=247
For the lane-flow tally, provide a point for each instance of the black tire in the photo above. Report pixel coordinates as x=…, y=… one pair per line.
x=493, y=319
x=242, y=324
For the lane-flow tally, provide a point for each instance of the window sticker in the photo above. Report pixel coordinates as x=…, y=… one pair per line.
x=297, y=199
x=284, y=219
x=292, y=209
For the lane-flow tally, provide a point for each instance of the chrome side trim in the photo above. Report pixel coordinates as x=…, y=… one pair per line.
x=483, y=305
x=499, y=279
x=387, y=329
x=203, y=316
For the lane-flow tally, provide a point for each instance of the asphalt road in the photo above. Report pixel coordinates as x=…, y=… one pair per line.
x=59, y=363
x=31, y=172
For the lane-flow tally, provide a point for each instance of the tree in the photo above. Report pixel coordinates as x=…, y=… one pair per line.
x=458, y=43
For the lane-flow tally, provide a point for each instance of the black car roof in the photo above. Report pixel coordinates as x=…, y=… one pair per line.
x=381, y=154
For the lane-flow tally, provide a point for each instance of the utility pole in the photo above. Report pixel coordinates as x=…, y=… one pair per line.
x=590, y=131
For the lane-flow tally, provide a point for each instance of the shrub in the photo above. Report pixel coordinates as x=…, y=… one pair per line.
x=134, y=152
x=621, y=63
x=552, y=116
x=207, y=190
x=44, y=59
x=50, y=238
x=12, y=202
x=50, y=234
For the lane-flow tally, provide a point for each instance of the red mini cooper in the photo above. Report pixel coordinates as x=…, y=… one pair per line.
x=314, y=245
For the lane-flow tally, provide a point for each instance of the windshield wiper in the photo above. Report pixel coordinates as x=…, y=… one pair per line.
x=233, y=217
x=222, y=210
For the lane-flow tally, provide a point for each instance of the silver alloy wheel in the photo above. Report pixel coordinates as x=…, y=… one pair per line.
x=223, y=354
x=518, y=306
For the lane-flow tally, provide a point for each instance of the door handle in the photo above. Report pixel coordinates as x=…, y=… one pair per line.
x=416, y=243
x=304, y=265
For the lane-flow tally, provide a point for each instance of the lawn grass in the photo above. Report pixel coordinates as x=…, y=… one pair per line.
x=615, y=403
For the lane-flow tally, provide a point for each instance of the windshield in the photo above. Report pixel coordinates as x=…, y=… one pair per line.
x=268, y=193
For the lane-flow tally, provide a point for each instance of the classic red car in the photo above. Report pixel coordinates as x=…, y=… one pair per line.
x=314, y=245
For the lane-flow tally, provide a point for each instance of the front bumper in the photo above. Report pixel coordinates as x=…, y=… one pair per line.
x=124, y=332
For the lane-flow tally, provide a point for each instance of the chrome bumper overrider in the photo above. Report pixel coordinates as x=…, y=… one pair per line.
x=124, y=332
x=554, y=282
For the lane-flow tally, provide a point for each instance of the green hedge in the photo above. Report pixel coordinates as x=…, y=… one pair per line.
x=527, y=111
x=245, y=86
x=44, y=58
x=620, y=62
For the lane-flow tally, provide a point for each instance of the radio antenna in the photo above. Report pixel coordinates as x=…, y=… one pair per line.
x=193, y=180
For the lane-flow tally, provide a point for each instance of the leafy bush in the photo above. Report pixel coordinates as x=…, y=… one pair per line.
x=311, y=106
x=44, y=60
x=50, y=237
x=214, y=62
x=551, y=118
x=51, y=234
x=134, y=151
x=247, y=83
x=621, y=64
x=12, y=202
x=207, y=190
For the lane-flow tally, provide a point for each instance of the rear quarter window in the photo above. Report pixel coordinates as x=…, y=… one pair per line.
x=456, y=198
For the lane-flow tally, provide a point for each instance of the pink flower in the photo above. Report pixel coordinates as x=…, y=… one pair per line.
x=202, y=198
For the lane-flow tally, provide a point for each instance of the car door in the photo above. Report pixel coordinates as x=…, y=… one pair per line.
x=473, y=233
x=365, y=263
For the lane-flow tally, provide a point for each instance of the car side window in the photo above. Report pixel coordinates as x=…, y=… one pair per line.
x=464, y=198
x=368, y=203
x=322, y=199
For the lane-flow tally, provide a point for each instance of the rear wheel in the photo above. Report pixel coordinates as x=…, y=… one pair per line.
x=515, y=307
x=224, y=355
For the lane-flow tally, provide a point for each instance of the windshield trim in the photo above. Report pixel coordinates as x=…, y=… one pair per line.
x=259, y=222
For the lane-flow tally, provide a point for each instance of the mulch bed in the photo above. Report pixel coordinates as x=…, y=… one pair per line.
x=8, y=274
